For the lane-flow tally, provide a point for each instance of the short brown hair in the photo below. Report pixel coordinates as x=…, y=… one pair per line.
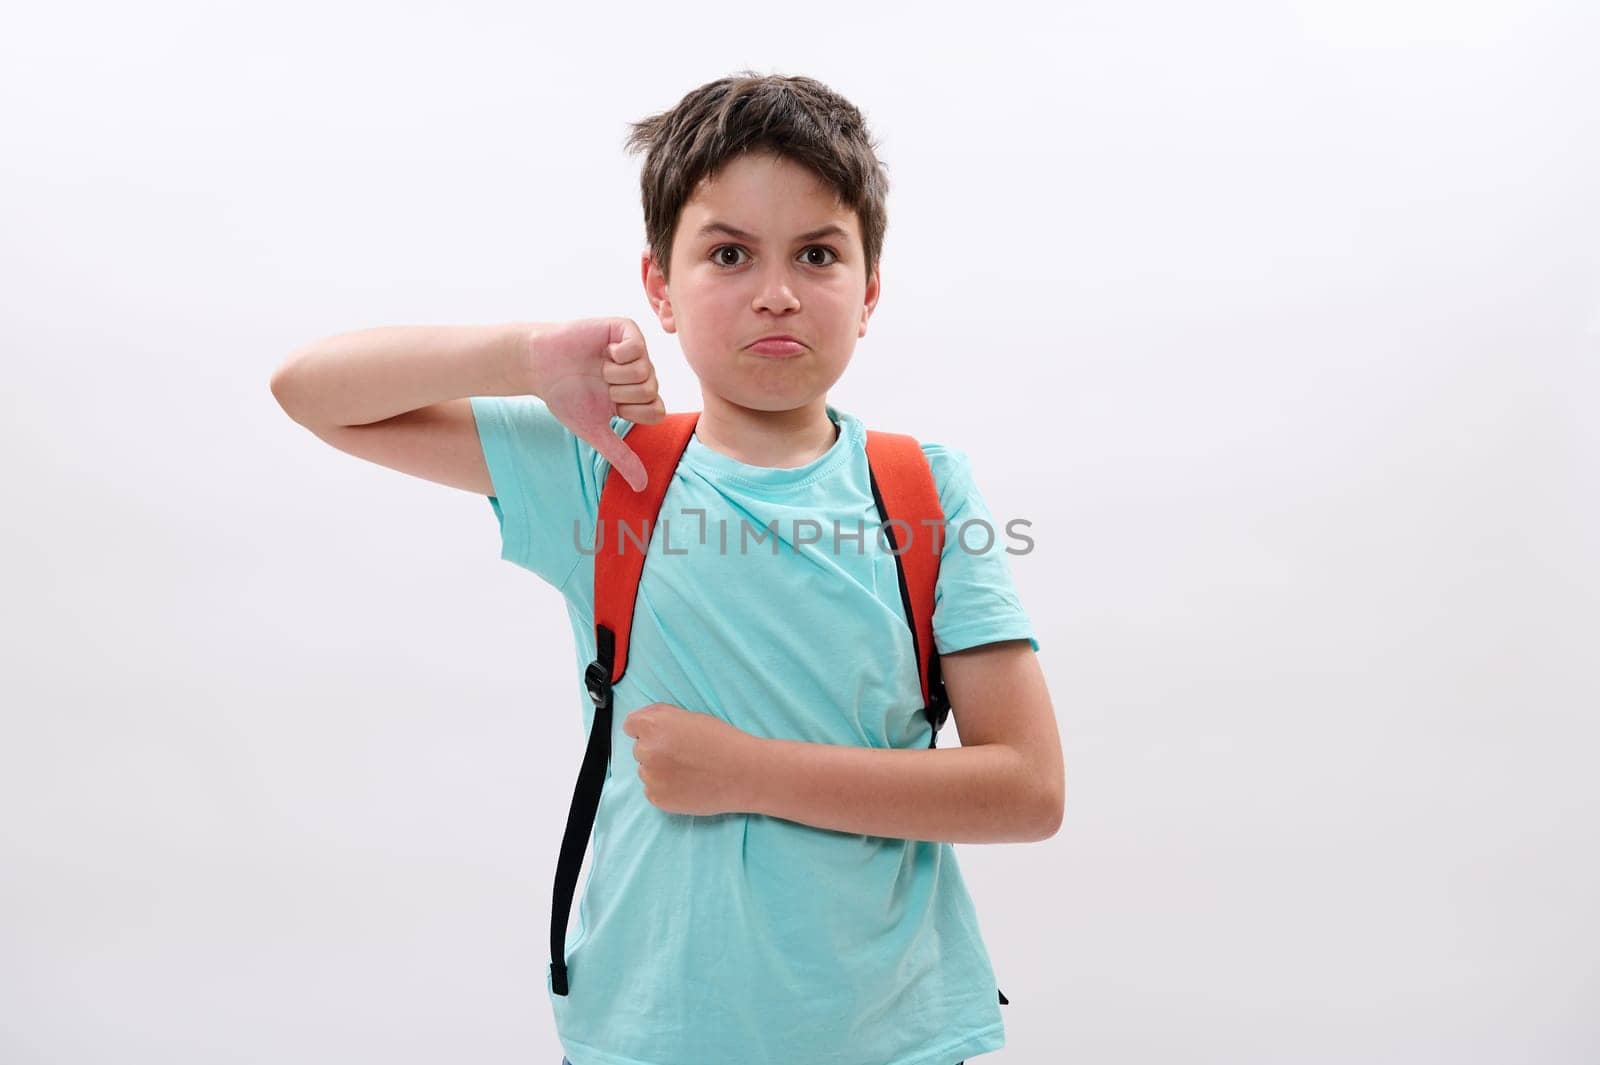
x=796, y=117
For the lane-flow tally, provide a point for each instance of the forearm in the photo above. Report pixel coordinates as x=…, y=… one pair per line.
x=371, y=374
x=977, y=794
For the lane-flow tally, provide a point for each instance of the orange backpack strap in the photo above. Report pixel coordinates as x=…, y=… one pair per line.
x=629, y=518
x=626, y=524
x=908, y=505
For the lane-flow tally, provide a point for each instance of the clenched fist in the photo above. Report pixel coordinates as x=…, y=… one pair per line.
x=691, y=762
x=588, y=369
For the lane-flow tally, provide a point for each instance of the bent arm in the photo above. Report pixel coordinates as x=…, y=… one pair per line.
x=977, y=794
x=370, y=375
x=1005, y=784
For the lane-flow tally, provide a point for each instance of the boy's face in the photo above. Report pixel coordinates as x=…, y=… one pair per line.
x=729, y=290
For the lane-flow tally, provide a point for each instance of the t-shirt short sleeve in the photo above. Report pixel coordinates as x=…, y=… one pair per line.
x=546, y=484
x=975, y=601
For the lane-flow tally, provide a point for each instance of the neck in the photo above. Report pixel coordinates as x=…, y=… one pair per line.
x=776, y=439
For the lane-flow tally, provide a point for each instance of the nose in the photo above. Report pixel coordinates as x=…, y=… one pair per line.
x=774, y=292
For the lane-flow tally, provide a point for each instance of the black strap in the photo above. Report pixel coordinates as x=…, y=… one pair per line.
x=938, y=708
x=585, y=803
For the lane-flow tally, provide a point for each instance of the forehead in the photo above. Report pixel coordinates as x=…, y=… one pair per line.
x=763, y=195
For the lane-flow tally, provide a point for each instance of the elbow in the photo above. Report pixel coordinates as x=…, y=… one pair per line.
x=279, y=383
x=1051, y=809
x=286, y=388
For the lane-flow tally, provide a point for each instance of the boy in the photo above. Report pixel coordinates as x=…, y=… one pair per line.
x=772, y=875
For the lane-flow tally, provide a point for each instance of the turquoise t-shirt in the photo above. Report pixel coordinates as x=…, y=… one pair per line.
x=740, y=937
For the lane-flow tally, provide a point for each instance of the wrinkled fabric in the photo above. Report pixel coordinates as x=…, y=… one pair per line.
x=741, y=937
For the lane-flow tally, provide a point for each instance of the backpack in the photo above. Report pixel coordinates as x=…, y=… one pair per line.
x=906, y=495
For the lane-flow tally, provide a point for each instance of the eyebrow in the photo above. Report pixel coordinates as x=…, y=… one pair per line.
x=829, y=230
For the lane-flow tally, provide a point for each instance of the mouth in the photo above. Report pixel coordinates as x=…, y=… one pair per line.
x=777, y=347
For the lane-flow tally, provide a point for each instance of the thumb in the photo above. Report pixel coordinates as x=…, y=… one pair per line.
x=616, y=451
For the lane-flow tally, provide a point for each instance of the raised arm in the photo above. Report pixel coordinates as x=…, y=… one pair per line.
x=400, y=395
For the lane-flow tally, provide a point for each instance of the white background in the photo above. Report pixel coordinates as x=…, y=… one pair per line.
x=1278, y=320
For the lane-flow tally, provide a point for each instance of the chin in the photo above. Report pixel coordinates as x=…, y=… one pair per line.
x=772, y=403
x=771, y=400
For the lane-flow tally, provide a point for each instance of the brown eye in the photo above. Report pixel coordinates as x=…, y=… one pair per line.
x=717, y=253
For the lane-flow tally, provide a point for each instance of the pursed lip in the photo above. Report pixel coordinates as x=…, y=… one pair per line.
x=776, y=336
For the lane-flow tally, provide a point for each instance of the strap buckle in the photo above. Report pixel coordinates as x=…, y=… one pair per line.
x=597, y=678
x=938, y=705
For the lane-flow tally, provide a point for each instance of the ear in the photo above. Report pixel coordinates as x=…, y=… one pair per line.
x=655, y=290
x=874, y=287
